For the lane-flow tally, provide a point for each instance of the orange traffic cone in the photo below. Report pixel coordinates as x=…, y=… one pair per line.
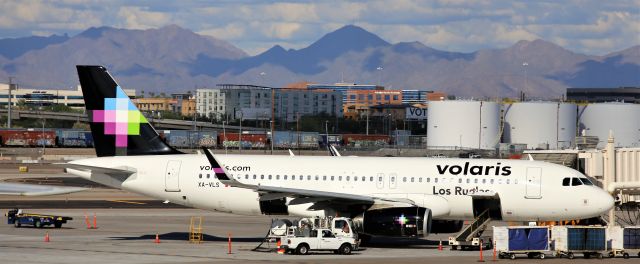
x=157, y=241
x=95, y=220
x=481, y=256
x=440, y=246
x=86, y=219
x=46, y=237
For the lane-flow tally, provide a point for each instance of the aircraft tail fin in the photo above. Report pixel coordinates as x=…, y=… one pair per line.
x=117, y=126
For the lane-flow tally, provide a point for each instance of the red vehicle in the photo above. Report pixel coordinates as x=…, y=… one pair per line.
x=27, y=138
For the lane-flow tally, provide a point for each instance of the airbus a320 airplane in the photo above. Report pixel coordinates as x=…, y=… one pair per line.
x=385, y=196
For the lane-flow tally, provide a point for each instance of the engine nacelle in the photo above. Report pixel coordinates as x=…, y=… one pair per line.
x=446, y=226
x=395, y=222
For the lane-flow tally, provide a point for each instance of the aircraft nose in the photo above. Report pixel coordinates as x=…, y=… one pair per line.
x=604, y=201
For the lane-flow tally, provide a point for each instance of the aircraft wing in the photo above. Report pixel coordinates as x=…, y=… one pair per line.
x=35, y=190
x=302, y=195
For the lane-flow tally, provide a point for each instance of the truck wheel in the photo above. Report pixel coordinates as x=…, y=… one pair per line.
x=541, y=256
x=625, y=255
x=302, y=249
x=570, y=255
x=57, y=224
x=37, y=224
x=611, y=255
x=512, y=256
x=16, y=223
x=345, y=249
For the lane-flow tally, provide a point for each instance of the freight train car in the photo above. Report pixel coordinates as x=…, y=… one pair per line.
x=27, y=138
x=365, y=141
x=249, y=141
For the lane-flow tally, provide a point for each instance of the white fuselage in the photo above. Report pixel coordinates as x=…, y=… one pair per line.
x=527, y=190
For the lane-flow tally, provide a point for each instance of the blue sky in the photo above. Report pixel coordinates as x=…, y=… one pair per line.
x=593, y=27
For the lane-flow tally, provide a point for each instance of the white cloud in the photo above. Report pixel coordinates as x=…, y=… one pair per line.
x=135, y=17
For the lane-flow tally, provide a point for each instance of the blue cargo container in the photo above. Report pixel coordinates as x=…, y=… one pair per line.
x=589, y=240
x=530, y=240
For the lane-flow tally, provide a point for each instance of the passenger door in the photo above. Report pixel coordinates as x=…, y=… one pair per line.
x=534, y=183
x=380, y=180
x=172, y=176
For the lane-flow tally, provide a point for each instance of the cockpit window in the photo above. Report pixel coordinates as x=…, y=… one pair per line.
x=586, y=181
x=566, y=182
x=575, y=182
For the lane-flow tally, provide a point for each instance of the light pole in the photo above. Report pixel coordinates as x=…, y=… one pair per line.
x=326, y=131
x=9, y=105
x=524, y=66
x=224, y=132
x=272, y=138
x=240, y=134
x=368, y=120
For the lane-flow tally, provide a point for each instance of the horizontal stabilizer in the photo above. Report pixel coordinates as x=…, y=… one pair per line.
x=94, y=169
x=35, y=190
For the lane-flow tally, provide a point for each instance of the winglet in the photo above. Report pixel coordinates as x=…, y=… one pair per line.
x=333, y=151
x=217, y=169
x=291, y=153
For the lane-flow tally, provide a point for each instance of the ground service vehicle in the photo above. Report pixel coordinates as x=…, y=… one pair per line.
x=17, y=218
x=319, y=240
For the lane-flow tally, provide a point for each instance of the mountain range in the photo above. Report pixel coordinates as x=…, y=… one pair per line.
x=173, y=59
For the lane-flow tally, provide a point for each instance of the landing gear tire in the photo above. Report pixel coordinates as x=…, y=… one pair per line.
x=302, y=249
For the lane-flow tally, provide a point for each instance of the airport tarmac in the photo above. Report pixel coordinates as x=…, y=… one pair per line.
x=127, y=236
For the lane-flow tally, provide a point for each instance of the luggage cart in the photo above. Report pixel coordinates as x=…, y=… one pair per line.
x=590, y=241
x=532, y=241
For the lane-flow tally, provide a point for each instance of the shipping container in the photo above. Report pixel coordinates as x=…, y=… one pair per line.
x=589, y=240
x=28, y=138
x=623, y=241
x=365, y=141
x=177, y=138
x=530, y=240
x=249, y=141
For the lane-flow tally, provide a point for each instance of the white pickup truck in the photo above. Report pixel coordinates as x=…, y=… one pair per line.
x=319, y=240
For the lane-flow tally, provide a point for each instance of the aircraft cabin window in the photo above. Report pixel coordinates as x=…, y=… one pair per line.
x=347, y=178
x=200, y=176
x=284, y=177
x=277, y=177
x=317, y=177
x=324, y=178
x=507, y=181
x=412, y=179
x=515, y=181
x=262, y=177
x=340, y=178
x=371, y=178
x=468, y=180
x=355, y=178
x=460, y=180
x=499, y=181
x=586, y=181
x=332, y=178
x=435, y=180
x=575, y=182
x=246, y=176
x=475, y=181
x=308, y=177
x=491, y=181
x=364, y=178
x=404, y=179
x=428, y=179
x=254, y=176
x=484, y=181
x=208, y=176
x=420, y=179
x=269, y=176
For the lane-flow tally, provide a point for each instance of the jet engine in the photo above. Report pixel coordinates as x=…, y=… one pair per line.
x=396, y=222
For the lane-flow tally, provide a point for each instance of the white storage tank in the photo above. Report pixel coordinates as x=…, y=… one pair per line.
x=621, y=118
x=540, y=125
x=463, y=124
